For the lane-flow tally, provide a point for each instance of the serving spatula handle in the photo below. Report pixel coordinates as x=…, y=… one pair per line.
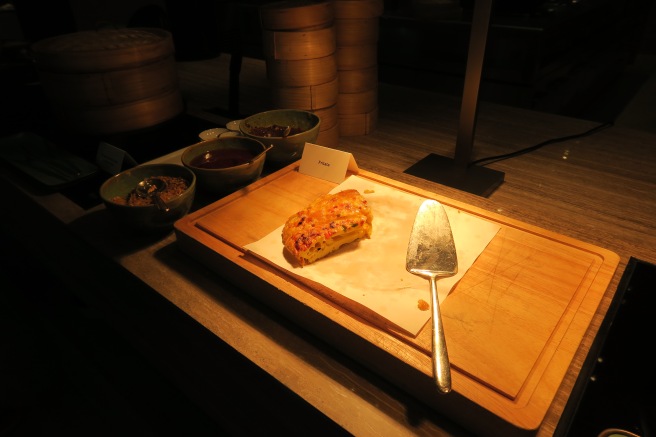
x=441, y=367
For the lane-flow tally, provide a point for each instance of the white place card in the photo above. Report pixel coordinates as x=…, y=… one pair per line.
x=326, y=163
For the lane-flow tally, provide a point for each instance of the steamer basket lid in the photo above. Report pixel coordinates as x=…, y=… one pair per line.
x=102, y=49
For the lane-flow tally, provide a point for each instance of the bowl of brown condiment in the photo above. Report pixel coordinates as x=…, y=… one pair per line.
x=287, y=130
x=120, y=194
x=223, y=165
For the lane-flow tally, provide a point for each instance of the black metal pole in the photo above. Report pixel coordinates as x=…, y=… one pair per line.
x=468, y=111
x=457, y=172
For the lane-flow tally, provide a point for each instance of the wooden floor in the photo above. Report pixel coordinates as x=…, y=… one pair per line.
x=629, y=101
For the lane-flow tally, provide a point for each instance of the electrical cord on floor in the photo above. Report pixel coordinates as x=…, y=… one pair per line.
x=491, y=159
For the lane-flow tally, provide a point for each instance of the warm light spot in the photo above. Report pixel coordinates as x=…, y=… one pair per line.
x=565, y=153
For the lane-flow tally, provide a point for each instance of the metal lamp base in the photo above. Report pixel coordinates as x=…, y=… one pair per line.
x=477, y=180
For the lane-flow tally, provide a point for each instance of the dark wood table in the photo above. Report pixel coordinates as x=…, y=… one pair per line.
x=252, y=369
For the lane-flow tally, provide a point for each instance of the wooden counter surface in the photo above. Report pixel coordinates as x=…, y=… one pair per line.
x=600, y=189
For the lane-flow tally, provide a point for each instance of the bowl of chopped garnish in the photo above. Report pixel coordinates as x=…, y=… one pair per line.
x=287, y=130
x=150, y=197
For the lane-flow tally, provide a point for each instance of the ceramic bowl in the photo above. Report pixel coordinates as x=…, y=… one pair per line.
x=304, y=127
x=116, y=190
x=210, y=134
x=225, y=164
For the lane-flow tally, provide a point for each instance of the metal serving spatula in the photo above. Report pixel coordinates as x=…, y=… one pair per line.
x=431, y=255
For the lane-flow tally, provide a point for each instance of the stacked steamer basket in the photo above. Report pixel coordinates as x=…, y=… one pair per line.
x=299, y=49
x=357, y=29
x=111, y=80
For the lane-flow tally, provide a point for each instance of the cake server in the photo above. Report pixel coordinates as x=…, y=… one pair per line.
x=432, y=255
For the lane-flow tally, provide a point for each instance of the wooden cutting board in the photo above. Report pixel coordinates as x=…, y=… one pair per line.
x=513, y=323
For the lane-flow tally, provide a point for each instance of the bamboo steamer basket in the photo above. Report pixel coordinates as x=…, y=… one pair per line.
x=309, y=97
x=358, y=124
x=296, y=15
x=81, y=89
x=295, y=45
x=358, y=8
x=357, y=31
x=329, y=137
x=111, y=80
x=356, y=57
x=357, y=103
x=329, y=117
x=356, y=81
x=124, y=117
x=302, y=72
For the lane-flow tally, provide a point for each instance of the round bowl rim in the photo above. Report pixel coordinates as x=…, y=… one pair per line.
x=303, y=111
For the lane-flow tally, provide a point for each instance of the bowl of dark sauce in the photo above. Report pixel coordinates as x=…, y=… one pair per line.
x=222, y=158
x=225, y=164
